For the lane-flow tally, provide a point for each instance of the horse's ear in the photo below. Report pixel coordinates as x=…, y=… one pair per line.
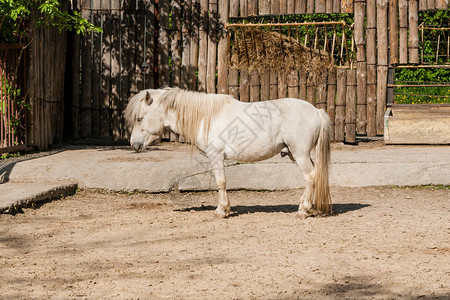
x=148, y=99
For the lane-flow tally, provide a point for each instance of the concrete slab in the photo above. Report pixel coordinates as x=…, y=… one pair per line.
x=16, y=195
x=172, y=166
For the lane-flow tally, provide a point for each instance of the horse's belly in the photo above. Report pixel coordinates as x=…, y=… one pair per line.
x=253, y=151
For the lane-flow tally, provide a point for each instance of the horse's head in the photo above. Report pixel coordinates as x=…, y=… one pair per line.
x=146, y=119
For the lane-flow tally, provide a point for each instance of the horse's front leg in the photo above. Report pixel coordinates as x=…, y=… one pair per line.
x=218, y=167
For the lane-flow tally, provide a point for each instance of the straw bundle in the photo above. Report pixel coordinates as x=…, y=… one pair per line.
x=257, y=49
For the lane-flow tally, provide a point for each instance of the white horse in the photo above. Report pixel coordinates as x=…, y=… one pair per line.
x=222, y=127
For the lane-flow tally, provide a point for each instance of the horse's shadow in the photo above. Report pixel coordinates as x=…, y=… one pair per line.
x=282, y=208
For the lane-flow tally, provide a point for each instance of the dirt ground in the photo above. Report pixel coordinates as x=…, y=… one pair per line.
x=382, y=243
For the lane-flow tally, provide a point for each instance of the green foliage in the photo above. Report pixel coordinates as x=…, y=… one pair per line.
x=16, y=16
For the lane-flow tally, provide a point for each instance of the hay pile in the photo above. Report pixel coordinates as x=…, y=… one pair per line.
x=256, y=49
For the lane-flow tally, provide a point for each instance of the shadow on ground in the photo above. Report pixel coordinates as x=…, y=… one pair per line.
x=282, y=208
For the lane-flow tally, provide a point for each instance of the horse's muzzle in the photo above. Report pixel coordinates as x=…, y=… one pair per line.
x=138, y=147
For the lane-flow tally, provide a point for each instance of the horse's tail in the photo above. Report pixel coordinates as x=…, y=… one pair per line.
x=322, y=198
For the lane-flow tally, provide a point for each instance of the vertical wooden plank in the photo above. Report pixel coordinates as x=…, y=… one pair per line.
x=273, y=89
x=382, y=47
x=320, y=6
x=359, y=30
x=244, y=8
x=222, y=51
x=283, y=7
x=310, y=91
x=115, y=71
x=195, y=18
x=310, y=6
x=329, y=6
x=163, y=43
x=331, y=99
x=275, y=7
x=212, y=49
x=105, y=92
x=300, y=6
x=361, y=93
x=321, y=92
x=264, y=7
x=150, y=42
x=265, y=85
x=292, y=84
x=282, y=84
x=140, y=30
x=423, y=4
x=340, y=104
x=254, y=86
x=203, y=45
x=393, y=31
x=413, y=32
x=186, y=32
x=302, y=85
x=441, y=4
x=403, y=17
x=381, y=96
x=290, y=7
x=233, y=88
x=96, y=76
x=350, y=107
x=347, y=6
x=252, y=7
x=336, y=6
x=75, y=97
x=371, y=100
x=86, y=80
x=431, y=5
x=176, y=43
x=244, y=86
x=233, y=85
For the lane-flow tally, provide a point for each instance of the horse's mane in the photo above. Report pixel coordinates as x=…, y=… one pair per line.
x=193, y=109
x=134, y=107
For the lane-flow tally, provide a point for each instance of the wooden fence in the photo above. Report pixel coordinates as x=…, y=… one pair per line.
x=13, y=111
x=139, y=48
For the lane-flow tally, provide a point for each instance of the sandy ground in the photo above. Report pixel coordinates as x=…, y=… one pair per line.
x=381, y=243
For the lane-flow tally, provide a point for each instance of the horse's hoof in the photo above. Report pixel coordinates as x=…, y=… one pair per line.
x=220, y=213
x=302, y=215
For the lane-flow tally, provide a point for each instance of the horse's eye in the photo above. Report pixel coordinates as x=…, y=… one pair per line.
x=139, y=119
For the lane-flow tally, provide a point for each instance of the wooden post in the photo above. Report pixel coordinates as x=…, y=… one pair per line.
x=233, y=88
x=264, y=7
x=163, y=43
x=222, y=56
x=329, y=7
x=361, y=92
x=350, y=107
x=413, y=32
x=75, y=97
x=371, y=100
x=176, y=40
x=290, y=7
x=252, y=6
x=340, y=104
x=193, y=54
x=393, y=31
x=382, y=46
x=212, y=50
x=86, y=80
x=186, y=33
x=203, y=45
x=336, y=6
x=331, y=99
x=275, y=7
x=115, y=73
x=283, y=7
x=431, y=5
x=371, y=32
x=293, y=84
x=347, y=6
x=96, y=77
x=310, y=91
x=403, y=16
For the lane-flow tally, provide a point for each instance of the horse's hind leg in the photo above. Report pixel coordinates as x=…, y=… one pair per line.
x=306, y=166
x=223, y=209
